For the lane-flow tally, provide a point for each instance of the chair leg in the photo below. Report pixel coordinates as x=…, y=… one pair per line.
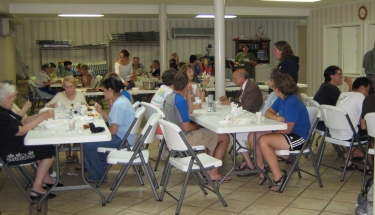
x=165, y=180
x=159, y=154
x=315, y=165
x=151, y=179
x=321, y=151
x=117, y=185
x=103, y=176
x=139, y=175
x=18, y=184
x=346, y=163
x=183, y=191
x=214, y=187
x=199, y=182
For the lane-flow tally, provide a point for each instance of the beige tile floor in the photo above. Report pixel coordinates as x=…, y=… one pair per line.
x=243, y=195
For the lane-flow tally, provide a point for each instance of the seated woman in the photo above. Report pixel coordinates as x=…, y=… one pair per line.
x=119, y=119
x=88, y=78
x=13, y=130
x=287, y=108
x=68, y=97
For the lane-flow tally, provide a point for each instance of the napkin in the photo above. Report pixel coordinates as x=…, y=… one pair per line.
x=45, y=109
x=235, y=108
x=49, y=124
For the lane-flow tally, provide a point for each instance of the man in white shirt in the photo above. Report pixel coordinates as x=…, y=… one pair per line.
x=351, y=102
x=43, y=81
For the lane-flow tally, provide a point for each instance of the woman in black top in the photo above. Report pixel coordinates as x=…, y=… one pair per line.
x=13, y=130
x=288, y=62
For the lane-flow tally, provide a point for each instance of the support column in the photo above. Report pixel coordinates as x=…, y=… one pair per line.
x=163, y=37
x=219, y=24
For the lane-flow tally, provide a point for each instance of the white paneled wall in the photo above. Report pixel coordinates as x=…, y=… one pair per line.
x=339, y=14
x=94, y=31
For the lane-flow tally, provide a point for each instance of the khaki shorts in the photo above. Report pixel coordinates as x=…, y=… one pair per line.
x=203, y=136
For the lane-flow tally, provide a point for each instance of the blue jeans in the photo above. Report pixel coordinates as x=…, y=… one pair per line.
x=96, y=162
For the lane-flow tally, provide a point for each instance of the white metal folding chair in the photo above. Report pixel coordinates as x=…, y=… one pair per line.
x=304, y=97
x=337, y=118
x=133, y=129
x=136, y=105
x=370, y=125
x=38, y=96
x=313, y=103
x=137, y=157
x=194, y=163
x=314, y=115
x=24, y=175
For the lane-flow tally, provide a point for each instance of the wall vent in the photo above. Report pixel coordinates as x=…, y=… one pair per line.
x=192, y=32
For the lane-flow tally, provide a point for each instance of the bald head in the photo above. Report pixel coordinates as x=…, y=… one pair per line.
x=240, y=76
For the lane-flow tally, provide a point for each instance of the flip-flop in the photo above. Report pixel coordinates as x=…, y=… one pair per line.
x=350, y=167
x=226, y=180
x=40, y=195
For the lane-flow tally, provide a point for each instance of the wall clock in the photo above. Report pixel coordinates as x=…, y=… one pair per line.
x=362, y=12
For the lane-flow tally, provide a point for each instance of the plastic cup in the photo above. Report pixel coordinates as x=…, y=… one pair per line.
x=259, y=116
x=72, y=124
x=194, y=87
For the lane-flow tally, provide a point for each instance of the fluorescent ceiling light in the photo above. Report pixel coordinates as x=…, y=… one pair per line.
x=213, y=16
x=294, y=0
x=81, y=15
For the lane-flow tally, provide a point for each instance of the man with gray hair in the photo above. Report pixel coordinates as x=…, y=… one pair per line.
x=369, y=66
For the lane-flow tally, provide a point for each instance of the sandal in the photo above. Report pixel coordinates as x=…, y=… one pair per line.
x=226, y=180
x=69, y=159
x=40, y=195
x=281, y=180
x=239, y=168
x=264, y=179
x=350, y=167
x=246, y=174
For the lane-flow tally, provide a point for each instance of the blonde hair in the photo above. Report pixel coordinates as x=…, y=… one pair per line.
x=70, y=79
x=186, y=67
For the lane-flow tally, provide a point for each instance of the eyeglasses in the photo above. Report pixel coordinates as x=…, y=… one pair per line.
x=69, y=87
x=339, y=73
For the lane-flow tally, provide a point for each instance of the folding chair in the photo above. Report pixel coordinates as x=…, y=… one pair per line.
x=136, y=105
x=313, y=103
x=304, y=98
x=24, y=175
x=370, y=124
x=314, y=115
x=137, y=157
x=38, y=96
x=97, y=99
x=124, y=145
x=337, y=118
x=177, y=143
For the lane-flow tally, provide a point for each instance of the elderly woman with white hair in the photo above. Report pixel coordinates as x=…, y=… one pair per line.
x=13, y=129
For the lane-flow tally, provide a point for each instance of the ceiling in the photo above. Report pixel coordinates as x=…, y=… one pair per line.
x=231, y=3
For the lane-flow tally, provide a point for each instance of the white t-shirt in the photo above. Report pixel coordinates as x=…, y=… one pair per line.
x=61, y=97
x=351, y=102
x=124, y=71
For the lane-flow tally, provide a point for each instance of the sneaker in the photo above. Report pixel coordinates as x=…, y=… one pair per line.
x=53, y=175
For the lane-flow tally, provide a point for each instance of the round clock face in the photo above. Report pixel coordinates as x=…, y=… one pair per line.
x=362, y=12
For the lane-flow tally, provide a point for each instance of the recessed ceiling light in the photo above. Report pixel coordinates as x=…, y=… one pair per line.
x=81, y=15
x=213, y=16
x=294, y=0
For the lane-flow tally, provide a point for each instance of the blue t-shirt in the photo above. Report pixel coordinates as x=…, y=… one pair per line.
x=122, y=113
x=293, y=110
x=182, y=107
x=126, y=94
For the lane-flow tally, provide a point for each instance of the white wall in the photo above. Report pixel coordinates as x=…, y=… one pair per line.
x=345, y=13
x=94, y=31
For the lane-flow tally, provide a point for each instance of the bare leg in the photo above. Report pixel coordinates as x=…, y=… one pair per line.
x=267, y=144
x=250, y=139
x=219, y=153
x=42, y=175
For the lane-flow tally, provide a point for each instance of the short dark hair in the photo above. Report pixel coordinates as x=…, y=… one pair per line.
x=66, y=63
x=52, y=65
x=192, y=58
x=331, y=70
x=181, y=64
x=135, y=58
x=180, y=81
x=248, y=46
x=172, y=60
x=168, y=76
x=157, y=62
x=45, y=66
x=286, y=84
x=113, y=83
x=173, y=66
x=361, y=81
x=125, y=53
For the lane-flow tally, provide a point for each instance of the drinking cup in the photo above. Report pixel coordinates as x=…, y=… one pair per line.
x=72, y=124
x=259, y=116
x=194, y=87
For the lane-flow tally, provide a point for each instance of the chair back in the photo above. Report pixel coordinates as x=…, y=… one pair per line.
x=98, y=80
x=161, y=113
x=335, y=117
x=138, y=118
x=304, y=98
x=173, y=136
x=312, y=103
x=136, y=105
x=370, y=124
x=150, y=109
x=31, y=86
x=151, y=125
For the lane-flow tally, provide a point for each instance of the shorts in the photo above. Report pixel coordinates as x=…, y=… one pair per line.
x=203, y=136
x=241, y=141
x=295, y=141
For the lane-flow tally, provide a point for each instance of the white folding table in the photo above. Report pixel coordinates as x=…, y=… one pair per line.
x=62, y=135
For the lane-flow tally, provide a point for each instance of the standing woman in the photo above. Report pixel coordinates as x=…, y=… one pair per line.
x=288, y=62
x=246, y=60
x=119, y=119
x=13, y=129
x=124, y=68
